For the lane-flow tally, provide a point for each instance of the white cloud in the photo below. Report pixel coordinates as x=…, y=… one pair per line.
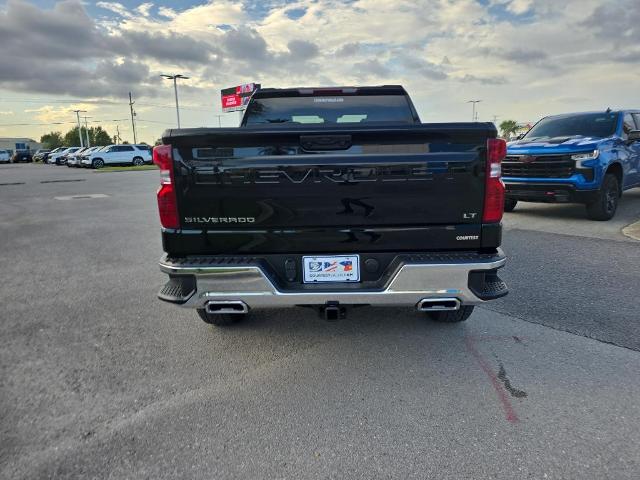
x=517, y=7
x=144, y=9
x=443, y=51
x=520, y=6
x=55, y=114
x=115, y=8
x=167, y=12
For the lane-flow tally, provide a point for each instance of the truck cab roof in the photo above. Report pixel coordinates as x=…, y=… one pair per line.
x=330, y=106
x=335, y=90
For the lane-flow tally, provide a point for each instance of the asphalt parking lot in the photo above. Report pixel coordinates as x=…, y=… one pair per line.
x=101, y=380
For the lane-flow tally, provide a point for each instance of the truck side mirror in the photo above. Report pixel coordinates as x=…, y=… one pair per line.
x=633, y=136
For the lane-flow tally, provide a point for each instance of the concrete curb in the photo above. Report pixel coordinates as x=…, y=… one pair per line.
x=632, y=230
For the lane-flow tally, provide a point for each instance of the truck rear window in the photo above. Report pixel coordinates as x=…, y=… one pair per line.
x=329, y=109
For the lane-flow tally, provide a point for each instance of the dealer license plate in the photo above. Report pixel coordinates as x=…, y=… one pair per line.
x=340, y=268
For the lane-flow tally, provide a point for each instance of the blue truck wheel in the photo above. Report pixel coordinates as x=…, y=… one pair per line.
x=605, y=205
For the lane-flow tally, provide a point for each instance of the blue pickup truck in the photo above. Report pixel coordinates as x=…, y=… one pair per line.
x=588, y=158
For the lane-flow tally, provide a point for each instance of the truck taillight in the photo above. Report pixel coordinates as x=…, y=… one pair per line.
x=167, y=204
x=494, y=189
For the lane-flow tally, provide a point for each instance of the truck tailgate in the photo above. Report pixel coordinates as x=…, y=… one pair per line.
x=388, y=187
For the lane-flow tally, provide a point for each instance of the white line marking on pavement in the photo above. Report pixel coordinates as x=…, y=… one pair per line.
x=76, y=197
x=632, y=230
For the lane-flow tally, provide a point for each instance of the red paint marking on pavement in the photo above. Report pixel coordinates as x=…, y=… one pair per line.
x=509, y=412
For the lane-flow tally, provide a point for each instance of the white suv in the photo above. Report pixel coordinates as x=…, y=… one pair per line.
x=59, y=158
x=118, y=155
x=73, y=160
x=5, y=156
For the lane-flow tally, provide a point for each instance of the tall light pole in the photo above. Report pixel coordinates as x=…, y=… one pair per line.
x=473, y=115
x=175, y=89
x=79, y=127
x=86, y=130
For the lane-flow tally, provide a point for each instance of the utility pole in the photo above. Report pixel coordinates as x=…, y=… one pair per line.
x=474, y=117
x=133, y=114
x=117, y=134
x=219, y=122
x=86, y=129
x=495, y=118
x=80, y=127
x=175, y=89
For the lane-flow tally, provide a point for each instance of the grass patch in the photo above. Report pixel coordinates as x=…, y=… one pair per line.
x=126, y=169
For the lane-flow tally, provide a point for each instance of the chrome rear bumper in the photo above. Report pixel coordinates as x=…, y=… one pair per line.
x=411, y=285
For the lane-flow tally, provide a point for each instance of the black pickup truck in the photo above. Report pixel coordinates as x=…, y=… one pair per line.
x=331, y=198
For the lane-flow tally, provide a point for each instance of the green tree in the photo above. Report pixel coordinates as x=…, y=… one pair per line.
x=508, y=128
x=97, y=136
x=51, y=140
x=71, y=138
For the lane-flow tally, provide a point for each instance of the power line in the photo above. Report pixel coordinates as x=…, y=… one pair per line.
x=153, y=121
x=182, y=107
x=57, y=123
x=33, y=124
x=102, y=102
x=34, y=100
x=134, y=117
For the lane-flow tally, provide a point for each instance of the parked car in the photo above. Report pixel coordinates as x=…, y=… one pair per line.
x=5, y=156
x=22, y=156
x=82, y=162
x=40, y=155
x=66, y=156
x=77, y=161
x=588, y=158
x=73, y=159
x=54, y=151
x=118, y=155
x=59, y=158
x=390, y=211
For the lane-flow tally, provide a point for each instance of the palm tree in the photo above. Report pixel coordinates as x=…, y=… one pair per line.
x=508, y=128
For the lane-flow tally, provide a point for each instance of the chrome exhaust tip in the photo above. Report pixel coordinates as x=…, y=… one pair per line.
x=225, y=307
x=438, y=304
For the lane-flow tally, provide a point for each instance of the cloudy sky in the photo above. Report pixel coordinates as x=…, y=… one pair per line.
x=522, y=58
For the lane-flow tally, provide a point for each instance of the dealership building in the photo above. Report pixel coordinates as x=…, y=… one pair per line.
x=13, y=144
